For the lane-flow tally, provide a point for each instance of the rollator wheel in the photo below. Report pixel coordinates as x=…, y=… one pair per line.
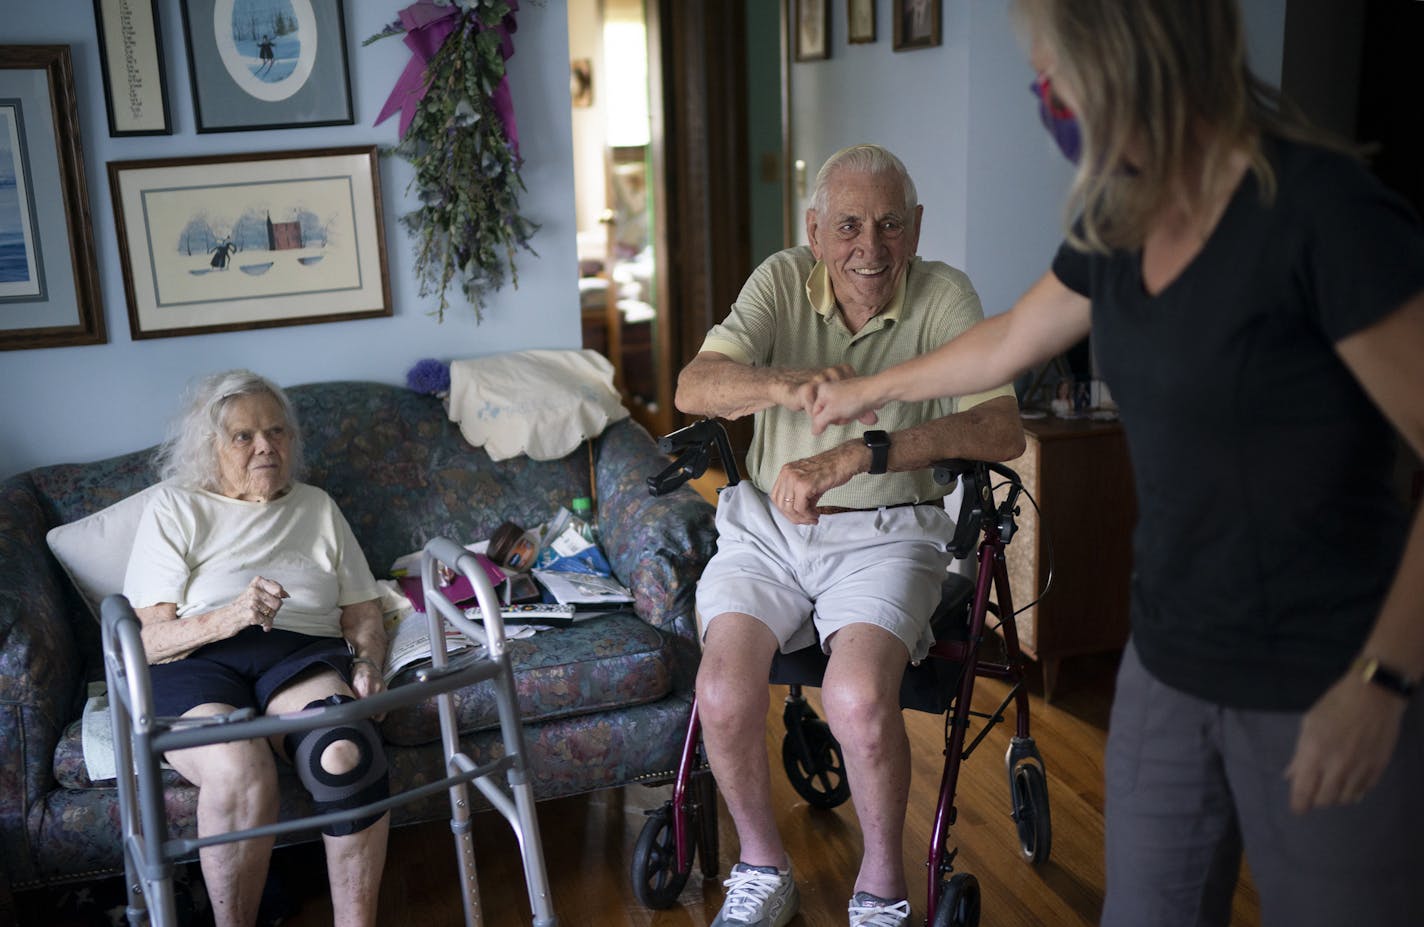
x=1031, y=813
x=958, y=902
x=656, y=881
x=820, y=775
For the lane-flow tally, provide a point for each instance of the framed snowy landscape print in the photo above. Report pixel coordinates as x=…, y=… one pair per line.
x=233, y=242
x=267, y=64
x=49, y=280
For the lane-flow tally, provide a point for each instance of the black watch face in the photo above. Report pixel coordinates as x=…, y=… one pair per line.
x=879, y=444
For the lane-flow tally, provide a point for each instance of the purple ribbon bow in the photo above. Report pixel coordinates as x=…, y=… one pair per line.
x=427, y=26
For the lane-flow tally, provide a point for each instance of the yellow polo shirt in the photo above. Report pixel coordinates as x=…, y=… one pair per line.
x=786, y=316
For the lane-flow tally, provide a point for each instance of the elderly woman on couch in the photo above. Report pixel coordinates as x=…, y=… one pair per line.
x=253, y=593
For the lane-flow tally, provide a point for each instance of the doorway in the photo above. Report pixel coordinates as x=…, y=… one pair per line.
x=621, y=265
x=673, y=169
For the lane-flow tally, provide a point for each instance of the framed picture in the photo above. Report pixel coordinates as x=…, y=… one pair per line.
x=267, y=64
x=813, y=43
x=860, y=21
x=232, y=242
x=49, y=281
x=916, y=24
x=131, y=60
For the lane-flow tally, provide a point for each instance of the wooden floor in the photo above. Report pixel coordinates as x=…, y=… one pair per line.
x=588, y=840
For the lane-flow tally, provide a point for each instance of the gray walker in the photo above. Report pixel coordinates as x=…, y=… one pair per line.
x=140, y=740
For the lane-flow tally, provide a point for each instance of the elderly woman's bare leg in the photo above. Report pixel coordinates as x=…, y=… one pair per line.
x=355, y=862
x=354, y=865
x=237, y=789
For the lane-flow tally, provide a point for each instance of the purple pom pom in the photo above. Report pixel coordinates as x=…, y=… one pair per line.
x=429, y=376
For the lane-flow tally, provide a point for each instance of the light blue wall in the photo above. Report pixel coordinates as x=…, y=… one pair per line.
x=84, y=403
x=1017, y=176
x=962, y=119
x=914, y=103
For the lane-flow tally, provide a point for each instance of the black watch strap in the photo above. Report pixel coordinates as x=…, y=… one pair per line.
x=1371, y=670
x=879, y=443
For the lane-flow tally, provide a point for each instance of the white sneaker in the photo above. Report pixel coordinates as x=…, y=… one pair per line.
x=758, y=896
x=867, y=910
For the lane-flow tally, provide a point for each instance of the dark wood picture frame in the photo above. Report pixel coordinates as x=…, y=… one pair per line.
x=311, y=89
x=812, y=27
x=131, y=61
x=312, y=219
x=58, y=302
x=860, y=21
x=917, y=24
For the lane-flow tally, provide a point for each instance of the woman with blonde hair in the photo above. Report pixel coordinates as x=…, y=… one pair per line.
x=1256, y=301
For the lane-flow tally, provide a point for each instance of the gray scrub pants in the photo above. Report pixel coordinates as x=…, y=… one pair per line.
x=1189, y=783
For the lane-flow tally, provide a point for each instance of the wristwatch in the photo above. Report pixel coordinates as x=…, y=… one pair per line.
x=879, y=444
x=1373, y=671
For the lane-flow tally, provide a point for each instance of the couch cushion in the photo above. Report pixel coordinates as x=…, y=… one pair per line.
x=94, y=550
x=596, y=665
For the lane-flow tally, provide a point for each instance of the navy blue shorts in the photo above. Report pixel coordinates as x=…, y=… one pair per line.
x=243, y=671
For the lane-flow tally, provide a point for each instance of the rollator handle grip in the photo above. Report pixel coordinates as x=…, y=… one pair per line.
x=692, y=448
x=977, y=501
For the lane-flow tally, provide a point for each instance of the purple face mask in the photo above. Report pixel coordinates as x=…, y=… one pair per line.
x=1058, y=119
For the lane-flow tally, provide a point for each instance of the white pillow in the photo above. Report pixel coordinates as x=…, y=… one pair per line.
x=95, y=550
x=541, y=403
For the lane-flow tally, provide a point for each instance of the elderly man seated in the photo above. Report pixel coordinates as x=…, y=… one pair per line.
x=845, y=524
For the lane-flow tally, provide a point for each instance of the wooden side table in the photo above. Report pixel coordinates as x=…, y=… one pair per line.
x=1079, y=473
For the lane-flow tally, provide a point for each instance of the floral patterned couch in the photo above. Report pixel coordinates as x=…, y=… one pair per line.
x=604, y=702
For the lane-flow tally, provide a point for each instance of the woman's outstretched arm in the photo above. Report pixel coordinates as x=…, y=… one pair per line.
x=1045, y=321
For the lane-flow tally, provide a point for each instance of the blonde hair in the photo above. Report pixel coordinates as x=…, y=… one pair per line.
x=189, y=456
x=1168, y=80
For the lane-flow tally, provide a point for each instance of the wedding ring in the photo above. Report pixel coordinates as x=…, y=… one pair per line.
x=786, y=499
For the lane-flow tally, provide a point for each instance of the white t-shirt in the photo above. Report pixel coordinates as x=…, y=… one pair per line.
x=200, y=550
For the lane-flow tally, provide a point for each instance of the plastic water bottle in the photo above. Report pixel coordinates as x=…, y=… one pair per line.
x=583, y=511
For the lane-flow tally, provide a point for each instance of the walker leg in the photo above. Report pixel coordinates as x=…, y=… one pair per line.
x=531, y=848
x=465, y=854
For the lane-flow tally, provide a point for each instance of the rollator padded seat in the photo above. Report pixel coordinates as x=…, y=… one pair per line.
x=604, y=702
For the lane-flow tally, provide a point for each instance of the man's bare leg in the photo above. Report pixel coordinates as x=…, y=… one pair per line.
x=732, y=701
x=861, y=695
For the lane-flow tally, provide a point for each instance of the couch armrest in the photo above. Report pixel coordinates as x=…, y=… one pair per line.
x=657, y=545
x=40, y=667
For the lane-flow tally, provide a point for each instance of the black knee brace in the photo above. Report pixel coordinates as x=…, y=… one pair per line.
x=368, y=781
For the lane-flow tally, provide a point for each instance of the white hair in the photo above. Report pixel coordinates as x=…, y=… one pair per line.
x=189, y=456
x=862, y=159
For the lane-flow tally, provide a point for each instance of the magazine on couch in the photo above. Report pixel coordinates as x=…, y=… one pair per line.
x=584, y=590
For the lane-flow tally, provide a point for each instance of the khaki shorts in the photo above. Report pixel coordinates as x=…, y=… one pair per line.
x=882, y=567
